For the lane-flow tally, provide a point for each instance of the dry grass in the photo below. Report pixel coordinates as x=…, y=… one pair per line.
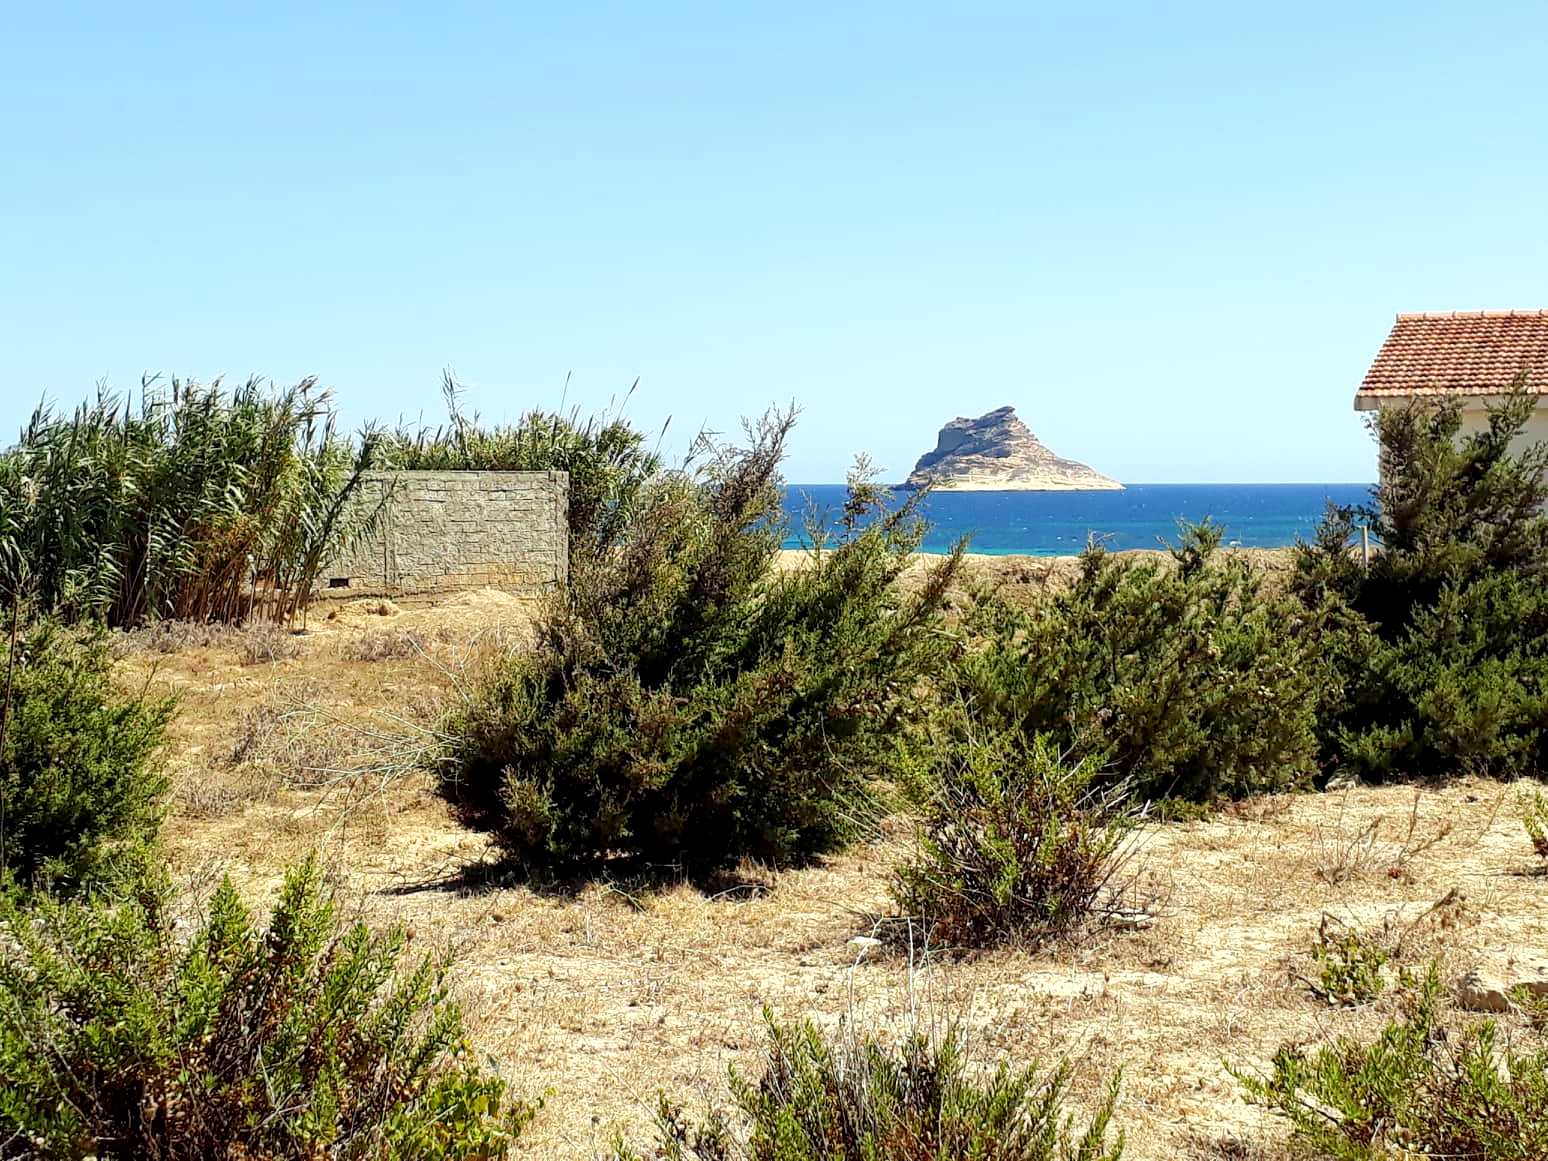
x=266, y=643
x=255, y=643
x=604, y=996
x=385, y=645
x=1027, y=577
x=173, y=637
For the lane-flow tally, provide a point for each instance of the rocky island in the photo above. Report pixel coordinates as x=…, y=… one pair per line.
x=998, y=453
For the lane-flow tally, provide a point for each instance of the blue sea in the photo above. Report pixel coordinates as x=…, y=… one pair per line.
x=1140, y=516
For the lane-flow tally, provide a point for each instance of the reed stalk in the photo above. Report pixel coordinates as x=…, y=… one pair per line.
x=197, y=504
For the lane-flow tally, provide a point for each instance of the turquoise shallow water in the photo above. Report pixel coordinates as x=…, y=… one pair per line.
x=1140, y=516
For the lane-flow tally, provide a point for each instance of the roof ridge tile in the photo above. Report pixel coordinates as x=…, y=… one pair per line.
x=1442, y=315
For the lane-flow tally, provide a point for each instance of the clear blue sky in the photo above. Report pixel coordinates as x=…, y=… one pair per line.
x=1172, y=236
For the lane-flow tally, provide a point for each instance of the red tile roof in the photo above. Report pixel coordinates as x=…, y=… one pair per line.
x=1460, y=352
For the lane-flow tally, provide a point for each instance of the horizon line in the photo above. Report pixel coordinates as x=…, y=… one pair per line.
x=1127, y=484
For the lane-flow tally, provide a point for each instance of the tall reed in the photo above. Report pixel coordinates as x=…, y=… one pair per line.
x=199, y=503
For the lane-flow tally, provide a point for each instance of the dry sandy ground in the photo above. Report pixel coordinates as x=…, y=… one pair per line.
x=1030, y=575
x=604, y=998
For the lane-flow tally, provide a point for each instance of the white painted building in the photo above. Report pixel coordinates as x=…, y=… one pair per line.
x=1476, y=355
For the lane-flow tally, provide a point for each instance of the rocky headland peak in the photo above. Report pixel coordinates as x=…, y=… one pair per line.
x=997, y=452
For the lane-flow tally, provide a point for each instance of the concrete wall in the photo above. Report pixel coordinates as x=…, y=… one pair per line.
x=440, y=531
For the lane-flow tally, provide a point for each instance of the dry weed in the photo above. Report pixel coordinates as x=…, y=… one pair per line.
x=216, y=796
x=1345, y=853
x=265, y=643
x=1342, y=856
x=292, y=740
x=386, y=645
x=1230, y=1147
x=173, y=637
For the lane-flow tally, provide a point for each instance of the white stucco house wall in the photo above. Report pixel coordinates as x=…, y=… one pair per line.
x=1476, y=355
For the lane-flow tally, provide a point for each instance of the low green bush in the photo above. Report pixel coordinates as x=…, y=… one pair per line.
x=1440, y=646
x=1534, y=817
x=1185, y=682
x=1014, y=843
x=1417, y=1090
x=688, y=702
x=297, y=1040
x=1461, y=689
x=819, y=1099
x=80, y=774
x=1349, y=964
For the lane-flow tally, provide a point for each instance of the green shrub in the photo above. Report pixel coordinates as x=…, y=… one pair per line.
x=1441, y=645
x=920, y=1101
x=201, y=505
x=688, y=703
x=607, y=459
x=80, y=778
x=1014, y=844
x=1450, y=509
x=1186, y=682
x=1349, y=964
x=1462, y=688
x=299, y=1040
x=1534, y=817
x=1417, y=1090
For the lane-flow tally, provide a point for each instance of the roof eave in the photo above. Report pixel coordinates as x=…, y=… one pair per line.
x=1366, y=401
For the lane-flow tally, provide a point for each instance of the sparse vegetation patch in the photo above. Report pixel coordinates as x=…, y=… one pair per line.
x=385, y=645
x=820, y=1097
x=1534, y=817
x=1015, y=844
x=1419, y=1089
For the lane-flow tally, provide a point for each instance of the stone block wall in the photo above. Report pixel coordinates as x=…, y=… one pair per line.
x=441, y=531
